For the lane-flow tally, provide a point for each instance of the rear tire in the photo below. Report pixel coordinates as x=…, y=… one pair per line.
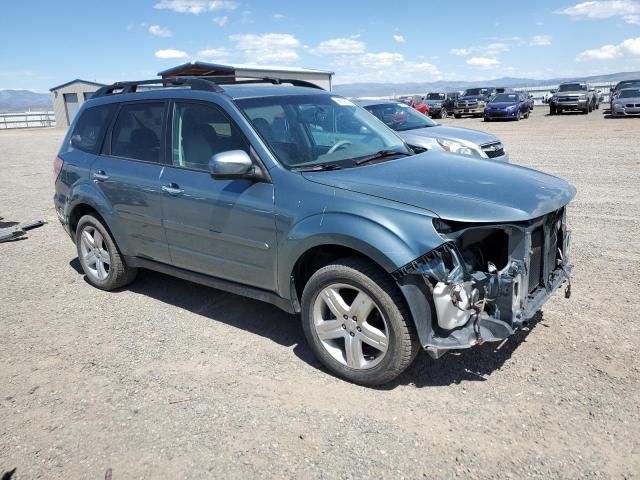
x=553, y=110
x=99, y=257
x=331, y=299
x=457, y=115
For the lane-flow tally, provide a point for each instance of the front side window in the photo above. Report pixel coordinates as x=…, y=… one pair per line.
x=201, y=131
x=307, y=130
x=138, y=131
x=90, y=127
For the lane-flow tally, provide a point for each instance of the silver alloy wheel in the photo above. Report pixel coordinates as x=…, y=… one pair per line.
x=350, y=326
x=94, y=253
x=443, y=113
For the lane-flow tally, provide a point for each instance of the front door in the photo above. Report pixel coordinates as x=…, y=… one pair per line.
x=222, y=228
x=128, y=174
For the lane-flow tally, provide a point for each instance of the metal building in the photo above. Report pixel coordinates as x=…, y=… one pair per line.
x=321, y=78
x=68, y=97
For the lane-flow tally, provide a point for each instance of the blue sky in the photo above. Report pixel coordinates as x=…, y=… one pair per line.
x=45, y=43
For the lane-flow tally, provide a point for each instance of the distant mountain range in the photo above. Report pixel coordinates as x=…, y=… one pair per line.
x=389, y=89
x=24, y=100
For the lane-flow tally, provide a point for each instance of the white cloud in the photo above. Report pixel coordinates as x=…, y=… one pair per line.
x=213, y=54
x=492, y=49
x=171, y=53
x=381, y=60
x=268, y=47
x=629, y=10
x=382, y=67
x=221, y=21
x=540, y=40
x=630, y=46
x=196, y=7
x=483, y=62
x=461, y=52
x=339, y=46
x=159, y=31
x=495, y=48
x=399, y=38
x=539, y=24
x=277, y=16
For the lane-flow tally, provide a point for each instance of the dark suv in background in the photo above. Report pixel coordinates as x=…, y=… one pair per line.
x=294, y=196
x=472, y=101
x=440, y=103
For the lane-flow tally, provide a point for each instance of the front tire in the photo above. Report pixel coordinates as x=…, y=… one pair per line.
x=99, y=257
x=457, y=115
x=357, y=322
x=553, y=110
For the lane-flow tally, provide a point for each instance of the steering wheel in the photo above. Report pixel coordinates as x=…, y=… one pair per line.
x=340, y=144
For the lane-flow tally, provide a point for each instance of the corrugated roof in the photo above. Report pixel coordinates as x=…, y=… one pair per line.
x=218, y=66
x=77, y=80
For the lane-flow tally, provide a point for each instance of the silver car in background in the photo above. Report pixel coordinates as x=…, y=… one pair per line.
x=422, y=133
x=627, y=102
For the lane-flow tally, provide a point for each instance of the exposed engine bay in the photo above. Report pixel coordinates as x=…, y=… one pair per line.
x=487, y=280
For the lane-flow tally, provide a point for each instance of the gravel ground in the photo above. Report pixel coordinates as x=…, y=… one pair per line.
x=167, y=379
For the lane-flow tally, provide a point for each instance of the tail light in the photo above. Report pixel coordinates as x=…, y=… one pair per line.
x=57, y=167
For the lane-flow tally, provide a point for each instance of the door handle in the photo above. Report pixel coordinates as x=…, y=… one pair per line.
x=172, y=189
x=100, y=176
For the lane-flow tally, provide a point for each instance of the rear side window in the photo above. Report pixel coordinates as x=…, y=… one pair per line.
x=89, y=129
x=137, y=132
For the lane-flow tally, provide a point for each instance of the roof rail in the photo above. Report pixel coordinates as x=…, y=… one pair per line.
x=208, y=83
x=131, y=87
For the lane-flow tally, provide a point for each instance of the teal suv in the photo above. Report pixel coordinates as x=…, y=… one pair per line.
x=280, y=191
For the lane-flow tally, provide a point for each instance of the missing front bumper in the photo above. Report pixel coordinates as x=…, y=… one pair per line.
x=497, y=302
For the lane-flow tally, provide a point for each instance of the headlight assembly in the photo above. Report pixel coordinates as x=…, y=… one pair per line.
x=456, y=147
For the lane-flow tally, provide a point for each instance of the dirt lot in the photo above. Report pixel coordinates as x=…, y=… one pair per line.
x=167, y=379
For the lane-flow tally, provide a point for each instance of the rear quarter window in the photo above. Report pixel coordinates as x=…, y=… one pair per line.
x=89, y=130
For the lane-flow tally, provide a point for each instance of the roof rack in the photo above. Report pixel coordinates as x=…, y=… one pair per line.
x=207, y=83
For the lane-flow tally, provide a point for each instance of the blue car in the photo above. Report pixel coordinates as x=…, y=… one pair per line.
x=510, y=106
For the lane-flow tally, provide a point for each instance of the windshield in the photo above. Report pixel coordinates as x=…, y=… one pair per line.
x=630, y=83
x=435, y=96
x=308, y=130
x=400, y=117
x=572, y=87
x=475, y=92
x=630, y=93
x=505, y=97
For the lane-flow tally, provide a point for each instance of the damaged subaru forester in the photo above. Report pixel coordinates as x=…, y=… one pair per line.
x=283, y=192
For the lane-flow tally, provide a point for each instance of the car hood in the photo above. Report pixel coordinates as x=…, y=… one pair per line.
x=433, y=102
x=450, y=133
x=467, y=190
x=502, y=104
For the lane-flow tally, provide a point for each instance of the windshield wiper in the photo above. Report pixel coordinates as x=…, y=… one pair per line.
x=318, y=168
x=381, y=154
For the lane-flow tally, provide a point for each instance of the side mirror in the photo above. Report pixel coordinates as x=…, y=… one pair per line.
x=231, y=164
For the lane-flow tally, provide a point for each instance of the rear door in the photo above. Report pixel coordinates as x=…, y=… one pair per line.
x=222, y=228
x=128, y=174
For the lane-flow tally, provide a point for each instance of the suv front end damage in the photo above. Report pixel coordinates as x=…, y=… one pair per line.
x=486, y=280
